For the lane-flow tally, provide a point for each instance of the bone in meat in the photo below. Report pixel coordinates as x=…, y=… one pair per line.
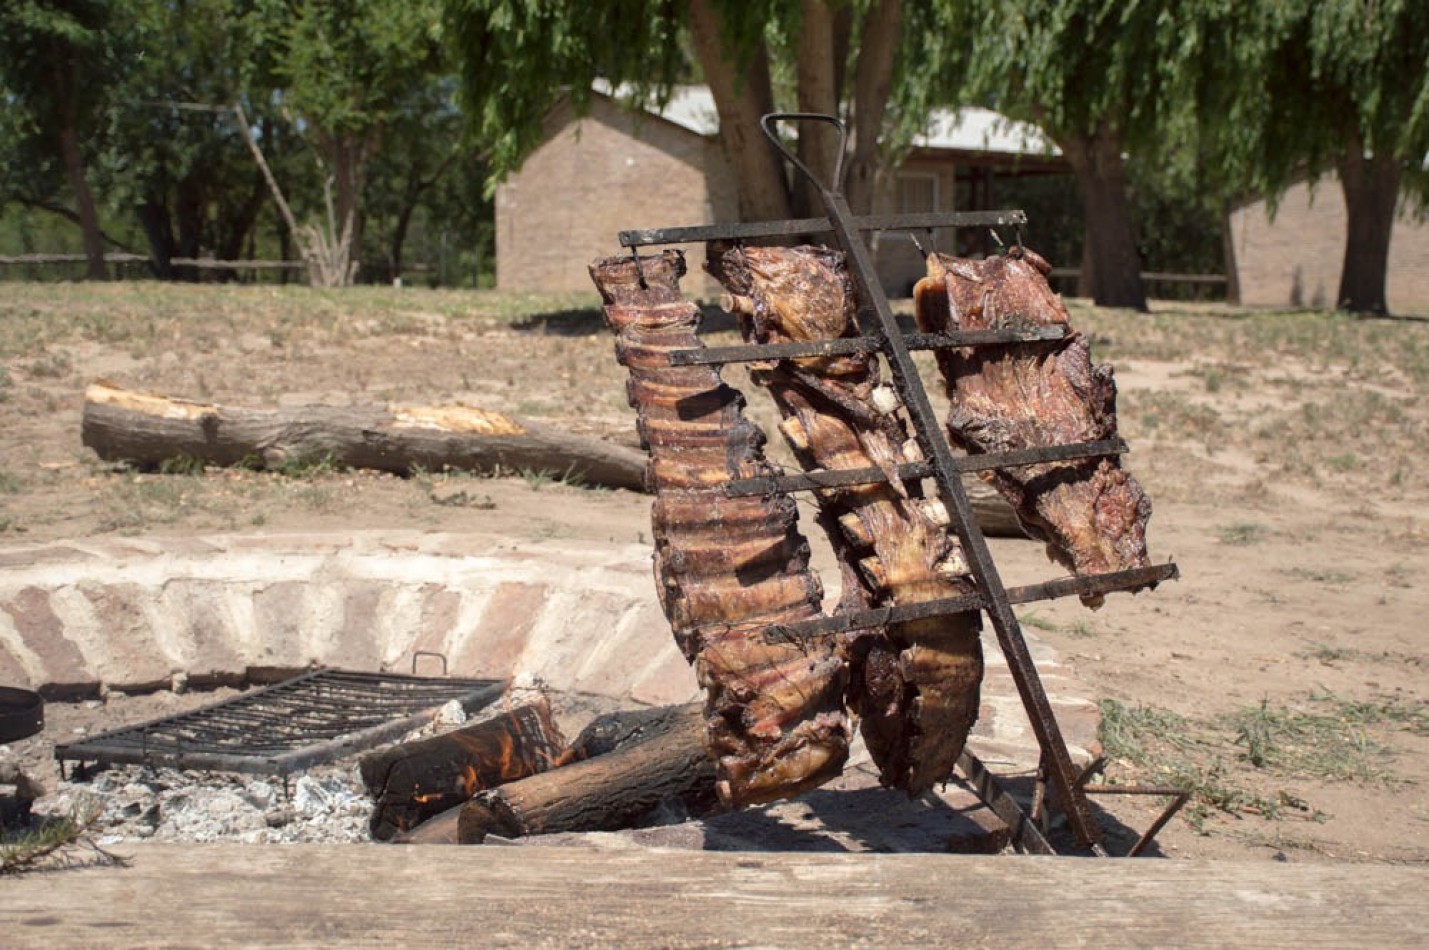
x=915, y=685
x=726, y=568
x=1091, y=513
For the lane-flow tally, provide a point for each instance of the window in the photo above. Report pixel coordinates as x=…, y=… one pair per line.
x=916, y=194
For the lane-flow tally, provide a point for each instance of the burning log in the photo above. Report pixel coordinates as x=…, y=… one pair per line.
x=150, y=429
x=411, y=782
x=605, y=793
x=605, y=734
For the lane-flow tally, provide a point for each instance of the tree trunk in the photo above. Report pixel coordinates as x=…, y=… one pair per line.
x=84, y=201
x=1228, y=254
x=605, y=793
x=154, y=219
x=1101, y=179
x=150, y=429
x=413, y=781
x=1371, y=186
x=872, y=85
x=817, y=78
x=742, y=94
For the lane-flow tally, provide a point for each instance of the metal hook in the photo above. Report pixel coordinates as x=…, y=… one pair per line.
x=767, y=124
x=913, y=236
x=639, y=270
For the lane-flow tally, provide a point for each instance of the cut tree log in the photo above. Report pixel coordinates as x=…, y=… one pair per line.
x=413, y=781
x=606, y=733
x=605, y=793
x=149, y=429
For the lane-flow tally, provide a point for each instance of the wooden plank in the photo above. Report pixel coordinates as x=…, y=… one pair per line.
x=218, y=895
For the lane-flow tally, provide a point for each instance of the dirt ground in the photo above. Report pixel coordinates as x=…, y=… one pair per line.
x=1282, y=679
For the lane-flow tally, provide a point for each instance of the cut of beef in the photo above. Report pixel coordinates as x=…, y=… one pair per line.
x=915, y=685
x=1091, y=513
x=726, y=568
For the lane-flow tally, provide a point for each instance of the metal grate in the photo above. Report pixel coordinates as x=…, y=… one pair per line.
x=287, y=727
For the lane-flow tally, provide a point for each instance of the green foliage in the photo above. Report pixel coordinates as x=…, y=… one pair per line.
x=1334, y=75
x=518, y=57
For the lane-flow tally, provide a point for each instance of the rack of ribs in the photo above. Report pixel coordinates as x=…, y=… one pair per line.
x=727, y=569
x=915, y=684
x=1091, y=513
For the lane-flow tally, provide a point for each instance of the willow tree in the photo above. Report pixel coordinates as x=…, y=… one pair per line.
x=1345, y=89
x=54, y=56
x=868, y=61
x=1102, y=80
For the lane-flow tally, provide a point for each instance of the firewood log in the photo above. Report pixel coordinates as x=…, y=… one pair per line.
x=149, y=429
x=413, y=781
x=604, y=793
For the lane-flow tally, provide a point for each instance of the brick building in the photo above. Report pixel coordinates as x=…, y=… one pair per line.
x=1294, y=260
x=616, y=168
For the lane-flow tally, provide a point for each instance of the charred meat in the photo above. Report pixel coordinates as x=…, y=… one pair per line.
x=1091, y=513
x=914, y=685
x=726, y=568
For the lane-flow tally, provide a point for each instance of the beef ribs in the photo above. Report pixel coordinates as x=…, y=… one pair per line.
x=1090, y=513
x=726, y=568
x=915, y=685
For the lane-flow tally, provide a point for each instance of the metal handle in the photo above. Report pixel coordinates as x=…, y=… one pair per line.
x=767, y=124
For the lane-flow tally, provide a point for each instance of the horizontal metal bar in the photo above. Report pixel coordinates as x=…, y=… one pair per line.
x=755, y=352
x=1132, y=580
x=773, y=484
x=787, y=228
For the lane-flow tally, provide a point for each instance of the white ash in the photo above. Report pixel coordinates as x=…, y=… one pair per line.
x=326, y=803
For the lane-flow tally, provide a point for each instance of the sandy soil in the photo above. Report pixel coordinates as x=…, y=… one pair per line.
x=1283, y=678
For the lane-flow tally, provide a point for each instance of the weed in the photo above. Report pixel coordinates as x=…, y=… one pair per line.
x=1036, y=621
x=1342, y=463
x=182, y=464
x=1337, y=578
x=309, y=466
x=9, y=484
x=1081, y=629
x=1241, y=533
x=55, y=838
x=55, y=365
x=5, y=384
x=315, y=496
x=1332, y=744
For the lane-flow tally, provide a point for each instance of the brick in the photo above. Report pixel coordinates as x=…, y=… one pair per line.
x=209, y=630
x=357, y=644
x=1295, y=259
x=441, y=607
x=127, y=656
x=65, y=670
x=498, y=641
x=280, y=612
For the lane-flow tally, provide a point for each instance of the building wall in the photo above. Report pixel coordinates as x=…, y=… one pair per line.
x=1295, y=260
x=594, y=177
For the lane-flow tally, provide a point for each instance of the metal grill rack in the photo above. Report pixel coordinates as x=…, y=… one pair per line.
x=286, y=727
x=883, y=335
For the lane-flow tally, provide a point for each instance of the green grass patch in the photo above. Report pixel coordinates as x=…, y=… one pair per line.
x=1241, y=533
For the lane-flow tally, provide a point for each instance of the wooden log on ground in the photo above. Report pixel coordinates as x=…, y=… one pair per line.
x=149, y=429
x=411, y=782
x=605, y=793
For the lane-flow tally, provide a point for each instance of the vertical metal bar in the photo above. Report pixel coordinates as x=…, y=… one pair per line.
x=950, y=487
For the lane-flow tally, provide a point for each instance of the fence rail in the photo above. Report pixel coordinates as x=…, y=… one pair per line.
x=203, y=263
